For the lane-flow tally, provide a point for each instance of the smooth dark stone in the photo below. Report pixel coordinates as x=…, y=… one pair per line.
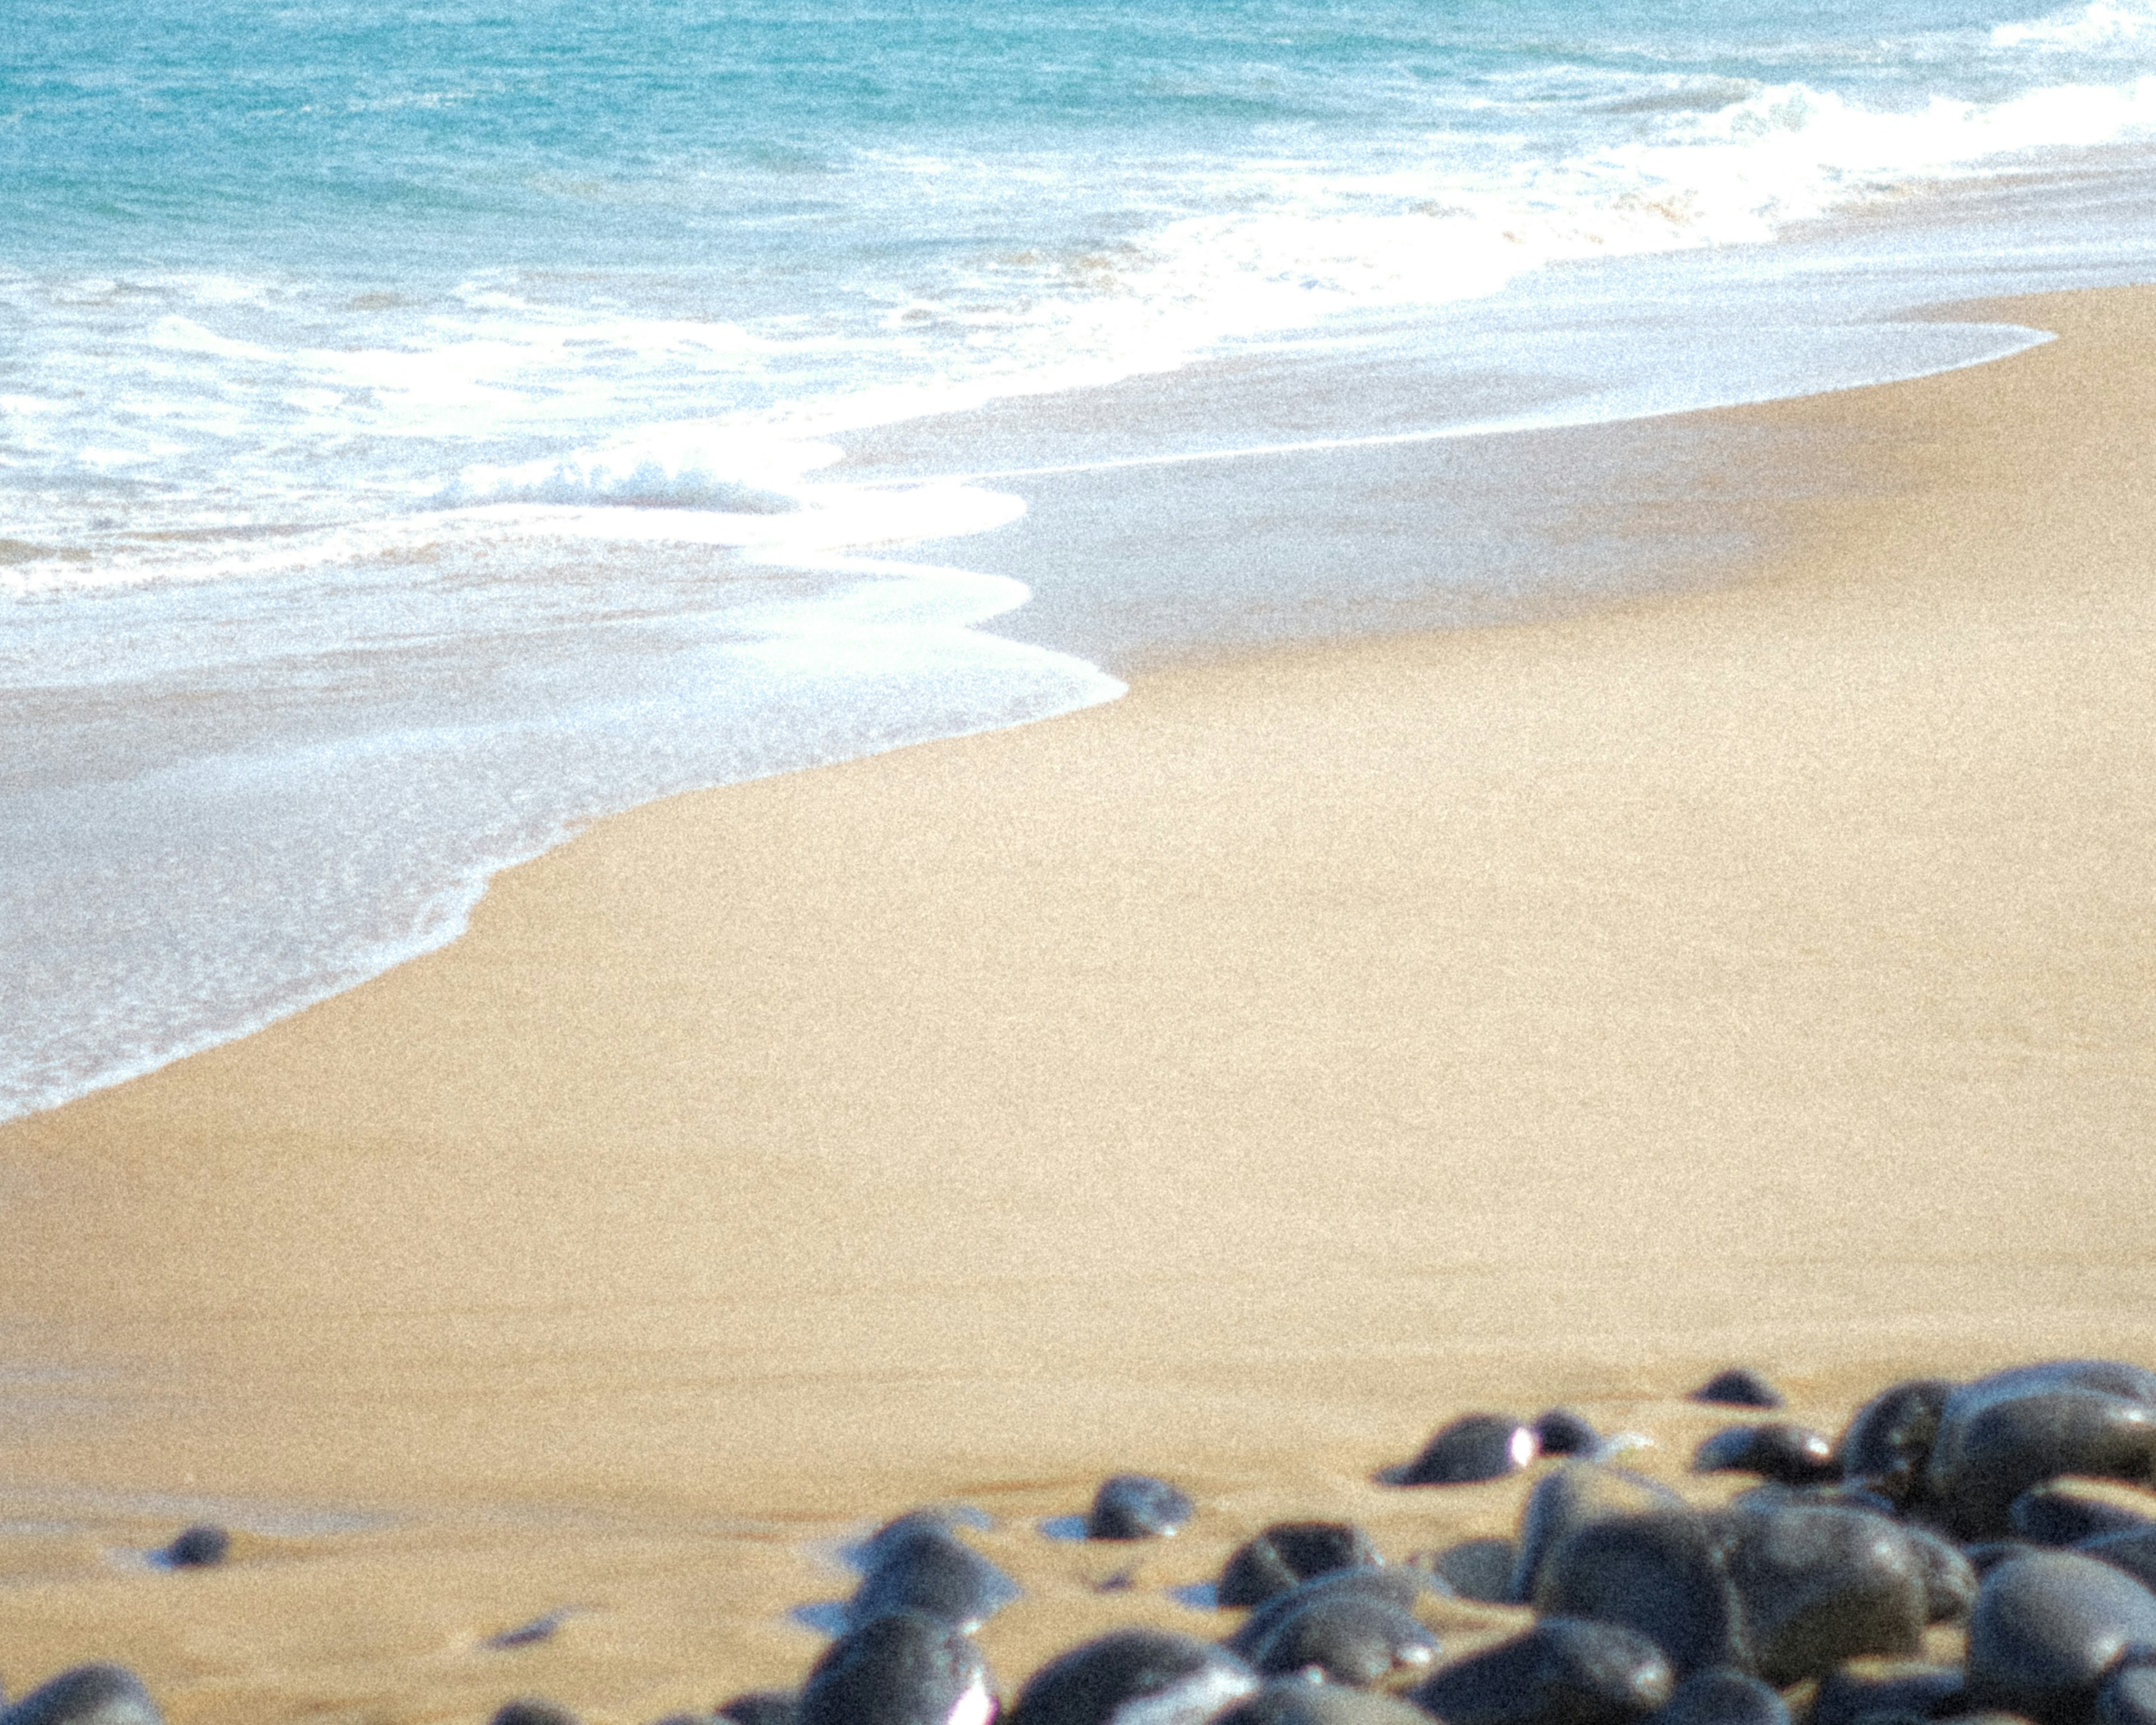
x=1787, y=1454
x=1970, y=1401
x=530, y=1710
x=1985, y=1555
x=198, y=1548
x=1888, y=1441
x=1987, y=1456
x=1297, y=1700
x=1475, y=1447
x=934, y=1573
x=2046, y=1629
x=1561, y=1432
x=1721, y=1696
x=1563, y=1671
x=763, y=1706
x=1163, y=1678
x=87, y=1694
x=1662, y=1574
x=1950, y=1579
x=1739, y=1387
x=2059, y=1515
x=2128, y=1696
x=1837, y=1496
x=1397, y=1585
x=2133, y=1551
x=1880, y=1686
x=1135, y=1506
x=1478, y=1569
x=1575, y=1494
x=895, y=1532
x=899, y=1669
x=1353, y=1637
x=1289, y=1552
x=1820, y=1585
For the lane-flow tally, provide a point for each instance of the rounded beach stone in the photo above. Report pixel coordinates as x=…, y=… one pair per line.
x=1721, y=1696
x=531, y=1710
x=1887, y=1687
x=895, y=1532
x=2057, y=1514
x=2133, y=1551
x=1987, y=1457
x=1289, y=1552
x=934, y=1573
x=1662, y=1574
x=1480, y=1570
x=1561, y=1432
x=2046, y=1630
x=1888, y=1440
x=1739, y=1387
x=1138, y=1676
x=1819, y=1586
x=1135, y=1506
x=1475, y=1447
x=1398, y=1586
x=1787, y=1454
x=1950, y=1579
x=1353, y=1637
x=2128, y=1695
x=1297, y=1700
x=1575, y=1494
x=198, y=1548
x=762, y=1706
x=899, y=1669
x=1563, y=1671
x=87, y=1694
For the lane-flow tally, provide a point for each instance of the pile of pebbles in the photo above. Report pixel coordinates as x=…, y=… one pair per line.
x=1943, y=1515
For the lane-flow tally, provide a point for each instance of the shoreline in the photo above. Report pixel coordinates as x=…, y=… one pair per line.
x=1234, y=1082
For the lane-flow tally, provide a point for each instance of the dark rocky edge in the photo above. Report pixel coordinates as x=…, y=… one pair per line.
x=1830, y=1592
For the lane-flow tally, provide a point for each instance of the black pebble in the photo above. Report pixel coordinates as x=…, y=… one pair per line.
x=899, y=1669
x=762, y=1706
x=87, y=1694
x=1353, y=1637
x=1163, y=1678
x=1295, y=1701
x=1989, y=1452
x=2057, y=1515
x=2045, y=1630
x=1818, y=1585
x=1473, y=1448
x=2133, y=1551
x=1888, y=1441
x=1721, y=1696
x=1575, y=1494
x=1985, y=1555
x=1950, y=1579
x=1787, y=1454
x=1563, y=1671
x=529, y=1710
x=1561, y=1432
x=1660, y=1574
x=1739, y=1387
x=1135, y=1506
x=1288, y=1552
x=933, y=1572
x=2128, y=1695
x=198, y=1548
x=1397, y=1585
x=1909, y=1686
x=1477, y=1570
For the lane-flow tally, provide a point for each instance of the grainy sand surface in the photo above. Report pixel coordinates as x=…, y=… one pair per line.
x=1235, y=1081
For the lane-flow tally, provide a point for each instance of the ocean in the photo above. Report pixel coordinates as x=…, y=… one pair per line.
x=427, y=426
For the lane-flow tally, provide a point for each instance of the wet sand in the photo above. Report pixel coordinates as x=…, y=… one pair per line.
x=1235, y=1081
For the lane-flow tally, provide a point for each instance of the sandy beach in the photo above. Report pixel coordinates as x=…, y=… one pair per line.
x=1235, y=1081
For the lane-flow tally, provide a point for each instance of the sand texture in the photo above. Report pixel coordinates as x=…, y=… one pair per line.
x=1234, y=1082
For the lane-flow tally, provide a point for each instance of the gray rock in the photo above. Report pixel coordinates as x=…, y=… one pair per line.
x=1563, y=1671
x=199, y=1548
x=1398, y=1586
x=2133, y=1551
x=1135, y=1676
x=1721, y=1696
x=87, y=1694
x=1475, y=1447
x=1739, y=1387
x=1787, y=1455
x=1888, y=1441
x=945, y=1519
x=1561, y=1432
x=1575, y=1494
x=1297, y=1700
x=1990, y=1451
x=1820, y=1585
x=1970, y=1403
x=2056, y=1514
x=2128, y=1695
x=1950, y=1579
x=1897, y=1687
x=1135, y=1506
x=2046, y=1630
x=1289, y=1552
x=899, y=1669
x=762, y=1706
x=1351, y=1637
x=933, y=1573
x=1662, y=1574
x=531, y=1710
x=1837, y=1496
x=1478, y=1569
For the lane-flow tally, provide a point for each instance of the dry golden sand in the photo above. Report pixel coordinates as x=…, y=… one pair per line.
x=1232, y=1082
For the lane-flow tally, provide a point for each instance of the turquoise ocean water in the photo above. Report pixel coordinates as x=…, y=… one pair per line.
x=425, y=427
